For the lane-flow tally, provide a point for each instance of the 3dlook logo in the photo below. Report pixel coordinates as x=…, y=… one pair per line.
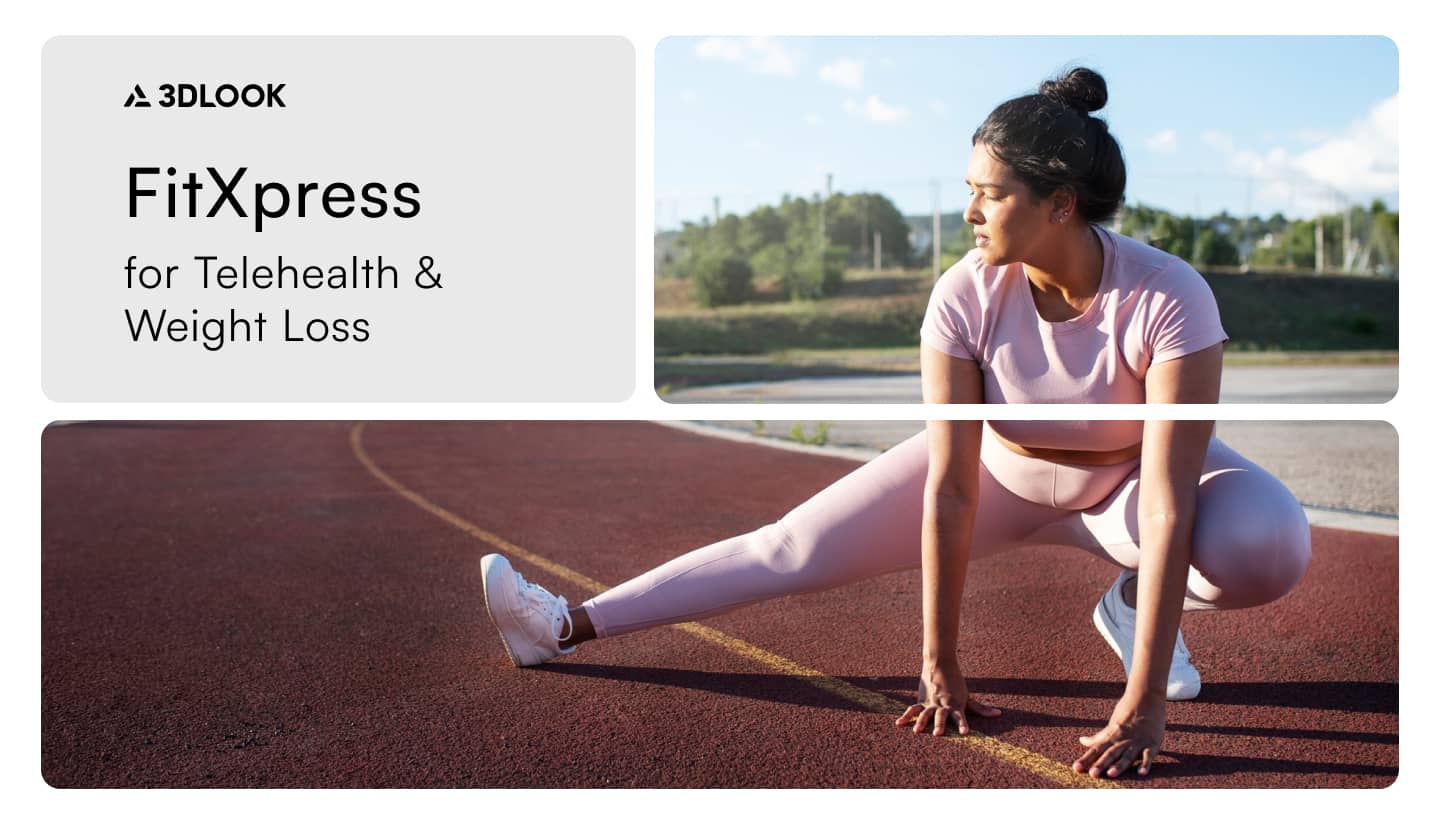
x=201, y=96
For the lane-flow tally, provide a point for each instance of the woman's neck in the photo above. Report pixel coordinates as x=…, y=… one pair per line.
x=1069, y=269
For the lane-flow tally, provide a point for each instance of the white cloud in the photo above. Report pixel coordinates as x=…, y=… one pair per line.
x=1365, y=158
x=876, y=111
x=847, y=73
x=1165, y=141
x=762, y=55
x=1357, y=164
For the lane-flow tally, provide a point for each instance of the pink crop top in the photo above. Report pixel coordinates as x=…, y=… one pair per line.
x=1151, y=307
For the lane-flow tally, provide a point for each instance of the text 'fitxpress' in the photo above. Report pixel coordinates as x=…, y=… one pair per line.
x=269, y=199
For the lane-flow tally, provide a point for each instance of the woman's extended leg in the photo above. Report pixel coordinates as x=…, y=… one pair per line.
x=863, y=525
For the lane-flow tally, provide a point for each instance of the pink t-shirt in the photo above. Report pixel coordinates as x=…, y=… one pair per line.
x=1151, y=307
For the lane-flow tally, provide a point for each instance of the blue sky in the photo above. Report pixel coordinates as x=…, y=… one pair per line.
x=1246, y=124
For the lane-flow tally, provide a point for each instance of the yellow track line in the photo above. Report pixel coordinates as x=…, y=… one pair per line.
x=873, y=701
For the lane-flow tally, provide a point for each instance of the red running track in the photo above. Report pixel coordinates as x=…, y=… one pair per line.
x=247, y=604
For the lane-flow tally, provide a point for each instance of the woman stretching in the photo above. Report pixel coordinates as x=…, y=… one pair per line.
x=1048, y=308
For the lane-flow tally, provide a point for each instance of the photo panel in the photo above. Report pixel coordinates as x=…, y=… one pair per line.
x=343, y=604
x=818, y=221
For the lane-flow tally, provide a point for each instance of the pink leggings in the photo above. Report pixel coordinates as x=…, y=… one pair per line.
x=1251, y=540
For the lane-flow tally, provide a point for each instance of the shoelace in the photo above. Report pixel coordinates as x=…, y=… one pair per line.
x=552, y=608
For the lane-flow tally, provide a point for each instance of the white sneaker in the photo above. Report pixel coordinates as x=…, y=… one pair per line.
x=532, y=622
x=1116, y=623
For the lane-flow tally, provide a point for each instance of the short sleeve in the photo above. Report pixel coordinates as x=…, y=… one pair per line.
x=947, y=327
x=1186, y=318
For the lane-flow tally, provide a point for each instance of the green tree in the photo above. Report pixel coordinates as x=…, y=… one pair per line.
x=1174, y=235
x=765, y=226
x=816, y=274
x=1215, y=249
x=1385, y=236
x=726, y=233
x=774, y=260
x=690, y=243
x=853, y=220
x=1138, y=221
x=1294, y=247
x=719, y=279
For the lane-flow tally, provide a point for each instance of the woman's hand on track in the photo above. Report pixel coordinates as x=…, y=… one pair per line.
x=942, y=695
x=1132, y=738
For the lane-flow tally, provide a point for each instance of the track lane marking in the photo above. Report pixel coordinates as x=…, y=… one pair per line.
x=872, y=701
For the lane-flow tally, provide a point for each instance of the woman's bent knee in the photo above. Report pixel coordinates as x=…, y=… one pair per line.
x=1252, y=542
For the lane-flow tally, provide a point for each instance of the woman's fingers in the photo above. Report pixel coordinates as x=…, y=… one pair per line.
x=1109, y=754
x=940, y=716
x=919, y=717
x=1096, y=745
x=1093, y=738
x=1110, y=758
x=1121, y=764
x=1082, y=764
x=923, y=719
x=1096, y=738
x=910, y=713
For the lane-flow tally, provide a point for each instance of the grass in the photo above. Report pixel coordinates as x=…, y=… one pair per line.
x=1263, y=312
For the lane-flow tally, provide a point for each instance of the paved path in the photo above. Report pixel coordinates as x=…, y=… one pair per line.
x=1346, y=473
x=1247, y=384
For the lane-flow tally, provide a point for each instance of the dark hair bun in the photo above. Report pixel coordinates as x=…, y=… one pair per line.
x=1081, y=89
x=1050, y=139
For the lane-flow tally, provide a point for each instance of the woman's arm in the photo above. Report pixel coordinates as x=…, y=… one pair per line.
x=951, y=494
x=1172, y=456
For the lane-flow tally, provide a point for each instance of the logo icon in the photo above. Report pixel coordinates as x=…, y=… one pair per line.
x=137, y=99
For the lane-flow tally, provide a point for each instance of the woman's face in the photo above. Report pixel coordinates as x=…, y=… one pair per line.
x=1010, y=222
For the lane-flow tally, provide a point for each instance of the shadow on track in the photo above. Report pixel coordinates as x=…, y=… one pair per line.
x=775, y=688
x=1347, y=696
x=786, y=689
x=1187, y=765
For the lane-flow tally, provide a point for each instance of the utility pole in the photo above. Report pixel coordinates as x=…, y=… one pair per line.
x=1195, y=235
x=935, y=225
x=717, y=210
x=864, y=226
x=829, y=179
x=878, y=242
x=1249, y=182
x=1319, y=243
x=1345, y=251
